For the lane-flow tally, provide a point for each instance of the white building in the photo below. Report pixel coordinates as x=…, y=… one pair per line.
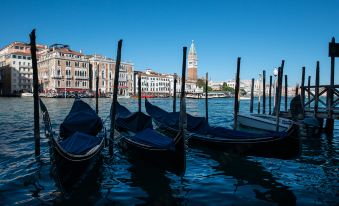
x=16, y=68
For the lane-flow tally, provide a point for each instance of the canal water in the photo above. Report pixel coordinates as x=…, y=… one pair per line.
x=212, y=178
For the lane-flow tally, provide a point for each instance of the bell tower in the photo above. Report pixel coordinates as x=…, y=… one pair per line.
x=192, y=63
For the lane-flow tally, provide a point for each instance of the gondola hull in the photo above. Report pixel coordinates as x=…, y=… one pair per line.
x=282, y=147
x=170, y=160
x=71, y=171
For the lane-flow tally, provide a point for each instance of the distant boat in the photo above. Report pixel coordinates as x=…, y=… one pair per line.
x=26, y=94
x=123, y=96
x=244, y=98
x=210, y=95
x=264, y=122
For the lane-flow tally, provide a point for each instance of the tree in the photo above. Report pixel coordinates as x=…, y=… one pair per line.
x=226, y=88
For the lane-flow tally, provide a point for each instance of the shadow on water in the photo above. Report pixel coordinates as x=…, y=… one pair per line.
x=154, y=183
x=247, y=172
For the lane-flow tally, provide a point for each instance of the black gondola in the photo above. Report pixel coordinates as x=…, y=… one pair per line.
x=270, y=144
x=143, y=143
x=77, y=147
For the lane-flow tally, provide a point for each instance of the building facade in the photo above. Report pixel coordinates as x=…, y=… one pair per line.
x=16, y=73
x=105, y=68
x=61, y=69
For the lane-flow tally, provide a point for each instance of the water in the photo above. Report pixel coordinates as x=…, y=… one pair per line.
x=212, y=178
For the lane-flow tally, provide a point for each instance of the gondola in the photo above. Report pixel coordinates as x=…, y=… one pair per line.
x=269, y=144
x=143, y=144
x=75, y=151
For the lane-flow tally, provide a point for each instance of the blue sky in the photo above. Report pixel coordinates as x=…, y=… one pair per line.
x=262, y=33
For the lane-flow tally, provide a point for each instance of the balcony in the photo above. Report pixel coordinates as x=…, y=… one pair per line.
x=57, y=77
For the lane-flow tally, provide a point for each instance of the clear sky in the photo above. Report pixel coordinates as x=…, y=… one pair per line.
x=262, y=33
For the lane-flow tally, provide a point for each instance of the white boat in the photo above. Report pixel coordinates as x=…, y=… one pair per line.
x=264, y=122
x=26, y=94
x=244, y=98
x=123, y=96
x=210, y=95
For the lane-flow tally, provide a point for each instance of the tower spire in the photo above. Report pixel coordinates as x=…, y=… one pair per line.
x=192, y=63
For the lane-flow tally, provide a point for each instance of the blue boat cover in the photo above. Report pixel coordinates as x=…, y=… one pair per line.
x=199, y=125
x=81, y=118
x=154, y=139
x=135, y=122
x=79, y=143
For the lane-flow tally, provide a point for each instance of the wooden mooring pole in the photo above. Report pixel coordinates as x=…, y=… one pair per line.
x=316, y=92
x=139, y=92
x=333, y=52
x=35, y=94
x=175, y=93
x=134, y=84
x=97, y=91
x=296, y=89
x=302, y=90
x=252, y=96
x=286, y=92
x=270, y=97
x=236, y=95
x=278, y=99
x=183, y=117
x=309, y=91
x=264, y=92
x=115, y=97
x=206, y=98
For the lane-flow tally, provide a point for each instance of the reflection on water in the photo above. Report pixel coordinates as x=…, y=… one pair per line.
x=212, y=177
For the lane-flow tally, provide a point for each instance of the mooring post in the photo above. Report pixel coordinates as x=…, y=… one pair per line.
x=316, y=92
x=134, y=84
x=296, y=89
x=270, y=96
x=286, y=92
x=278, y=99
x=252, y=96
x=236, y=95
x=175, y=93
x=97, y=91
x=115, y=96
x=35, y=94
x=264, y=92
x=309, y=91
x=139, y=92
x=330, y=93
x=183, y=117
x=281, y=81
x=302, y=90
x=206, y=98
x=276, y=95
x=259, y=92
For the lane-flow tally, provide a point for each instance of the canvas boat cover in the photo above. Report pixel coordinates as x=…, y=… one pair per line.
x=81, y=118
x=152, y=138
x=79, y=143
x=199, y=125
x=141, y=124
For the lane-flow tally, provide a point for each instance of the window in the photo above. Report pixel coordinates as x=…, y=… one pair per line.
x=58, y=62
x=16, y=47
x=68, y=83
x=24, y=57
x=68, y=63
x=19, y=57
x=13, y=62
x=76, y=64
x=13, y=56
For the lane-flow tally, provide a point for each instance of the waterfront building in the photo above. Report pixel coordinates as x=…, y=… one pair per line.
x=16, y=73
x=105, y=67
x=62, y=69
x=154, y=84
